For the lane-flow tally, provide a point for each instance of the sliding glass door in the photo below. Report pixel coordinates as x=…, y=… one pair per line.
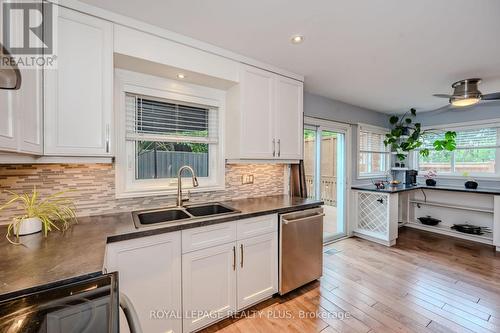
x=325, y=171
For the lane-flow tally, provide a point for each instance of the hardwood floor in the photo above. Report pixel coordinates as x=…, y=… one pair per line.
x=426, y=283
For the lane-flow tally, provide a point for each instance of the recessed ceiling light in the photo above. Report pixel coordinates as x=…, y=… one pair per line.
x=181, y=76
x=297, y=39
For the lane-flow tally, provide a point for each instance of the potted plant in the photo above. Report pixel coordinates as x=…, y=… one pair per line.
x=406, y=136
x=54, y=212
x=471, y=182
x=429, y=178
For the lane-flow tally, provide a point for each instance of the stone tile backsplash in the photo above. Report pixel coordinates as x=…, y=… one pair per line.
x=93, y=186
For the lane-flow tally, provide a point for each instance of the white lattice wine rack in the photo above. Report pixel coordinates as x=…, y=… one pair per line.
x=374, y=216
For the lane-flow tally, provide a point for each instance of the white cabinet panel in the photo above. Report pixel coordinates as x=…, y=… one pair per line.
x=149, y=271
x=265, y=116
x=29, y=106
x=256, y=226
x=289, y=118
x=212, y=235
x=208, y=285
x=21, y=109
x=8, y=139
x=257, y=121
x=257, y=269
x=78, y=94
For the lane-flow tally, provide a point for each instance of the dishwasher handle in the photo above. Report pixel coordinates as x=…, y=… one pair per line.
x=303, y=218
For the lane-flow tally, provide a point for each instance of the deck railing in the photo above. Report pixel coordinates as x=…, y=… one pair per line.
x=328, y=189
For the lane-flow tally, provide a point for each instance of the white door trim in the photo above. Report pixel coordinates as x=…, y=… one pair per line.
x=346, y=129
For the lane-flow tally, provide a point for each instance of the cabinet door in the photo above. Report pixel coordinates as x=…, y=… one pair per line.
x=208, y=285
x=289, y=118
x=257, y=121
x=149, y=271
x=28, y=105
x=78, y=93
x=257, y=269
x=21, y=109
x=8, y=123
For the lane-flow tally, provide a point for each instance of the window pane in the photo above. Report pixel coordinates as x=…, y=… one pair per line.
x=475, y=160
x=163, y=159
x=437, y=160
x=370, y=163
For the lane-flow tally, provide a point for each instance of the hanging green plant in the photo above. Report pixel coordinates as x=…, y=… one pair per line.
x=406, y=136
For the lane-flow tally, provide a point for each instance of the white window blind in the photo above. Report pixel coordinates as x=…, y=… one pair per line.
x=466, y=139
x=153, y=119
x=373, y=157
x=371, y=141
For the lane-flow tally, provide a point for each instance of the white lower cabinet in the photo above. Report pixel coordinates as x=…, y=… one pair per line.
x=257, y=272
x=190, y=279
x=208, y=285
x=149, y=273
x=219, y=280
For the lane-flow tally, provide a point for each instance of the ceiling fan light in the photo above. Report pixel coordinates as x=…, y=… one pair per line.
x=461, y=102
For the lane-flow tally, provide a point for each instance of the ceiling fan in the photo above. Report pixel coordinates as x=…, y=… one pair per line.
x=466, y=93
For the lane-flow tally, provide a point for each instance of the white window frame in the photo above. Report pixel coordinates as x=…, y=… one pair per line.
x=377, y=130
x=127, y=186
x=491, y=123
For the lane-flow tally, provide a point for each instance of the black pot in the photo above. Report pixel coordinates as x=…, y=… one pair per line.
x=472, y=185
x=430, y=182
x=429, y=220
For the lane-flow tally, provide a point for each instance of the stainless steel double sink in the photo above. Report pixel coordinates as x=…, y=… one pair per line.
x=180, y=214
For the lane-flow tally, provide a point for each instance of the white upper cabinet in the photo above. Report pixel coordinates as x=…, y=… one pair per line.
x=79, y=92
x=256, y=132
x=264, y=117
x=289, y=118
x=21, y=110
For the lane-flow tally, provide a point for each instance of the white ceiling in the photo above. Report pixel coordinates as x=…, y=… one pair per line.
x=385, y=55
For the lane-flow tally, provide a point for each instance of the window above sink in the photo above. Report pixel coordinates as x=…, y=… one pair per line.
x=162, y=125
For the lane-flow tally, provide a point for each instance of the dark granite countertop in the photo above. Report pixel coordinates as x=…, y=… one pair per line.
x=80, y=250
x=404, y=188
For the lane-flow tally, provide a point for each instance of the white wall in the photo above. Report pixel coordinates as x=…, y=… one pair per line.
x=329, y=109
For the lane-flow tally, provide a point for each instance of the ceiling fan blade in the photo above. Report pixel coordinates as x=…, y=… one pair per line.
x=489, y=97
x=442, y=95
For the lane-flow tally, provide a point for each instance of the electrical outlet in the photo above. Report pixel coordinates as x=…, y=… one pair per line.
x=247, y=179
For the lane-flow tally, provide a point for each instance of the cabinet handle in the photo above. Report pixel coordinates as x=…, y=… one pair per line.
x=234, y=258
x=380, y=200
x=241, y=248
x=274, y=147
x=279, y=147
x=107, y=138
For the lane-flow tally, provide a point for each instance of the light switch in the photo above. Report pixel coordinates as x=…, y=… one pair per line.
x=247, y=179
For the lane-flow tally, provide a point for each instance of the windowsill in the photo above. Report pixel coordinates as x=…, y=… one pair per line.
x=460, y=177
x=371, y=176
x=167, y=192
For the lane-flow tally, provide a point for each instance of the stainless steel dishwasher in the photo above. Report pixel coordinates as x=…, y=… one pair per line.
x=301, y=248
